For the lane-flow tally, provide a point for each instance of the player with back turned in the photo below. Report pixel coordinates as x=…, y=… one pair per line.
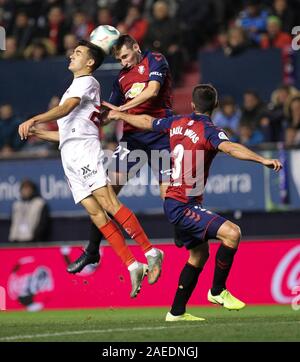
x=191, y=136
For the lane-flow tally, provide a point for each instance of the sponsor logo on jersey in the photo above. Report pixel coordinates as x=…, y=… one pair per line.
x=156, y=73
x=190, y=123
x=135, y=90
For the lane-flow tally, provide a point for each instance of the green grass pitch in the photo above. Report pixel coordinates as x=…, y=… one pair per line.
x=254, y=323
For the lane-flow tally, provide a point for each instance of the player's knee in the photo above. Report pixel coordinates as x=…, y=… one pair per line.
x=234, y=236
x=98, y=217
x=198, y=260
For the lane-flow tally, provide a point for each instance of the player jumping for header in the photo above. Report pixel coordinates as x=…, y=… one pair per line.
x=82, y=159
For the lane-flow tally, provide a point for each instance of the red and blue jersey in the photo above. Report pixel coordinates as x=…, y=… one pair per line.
x=131, y=82
x=194, y=142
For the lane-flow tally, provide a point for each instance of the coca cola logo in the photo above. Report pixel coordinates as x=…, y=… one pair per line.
x=40, y=280
x=286, y=277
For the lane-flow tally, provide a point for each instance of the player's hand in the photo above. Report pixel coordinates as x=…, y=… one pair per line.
x=114, y=115
x=109, y=105
x=24, y=128
x=32, y=131
x=274, y=164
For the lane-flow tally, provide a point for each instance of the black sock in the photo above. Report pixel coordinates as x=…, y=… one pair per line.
x=187, y=282
x=224, y=260
x=95, y=240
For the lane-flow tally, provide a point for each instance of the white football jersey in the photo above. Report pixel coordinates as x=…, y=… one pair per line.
x=82, y=122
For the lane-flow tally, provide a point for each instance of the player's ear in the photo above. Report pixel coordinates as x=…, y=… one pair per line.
x=136, y=47
x=90, y=63
x=193, y=106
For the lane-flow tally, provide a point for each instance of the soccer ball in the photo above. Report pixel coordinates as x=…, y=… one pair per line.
x=104, y=36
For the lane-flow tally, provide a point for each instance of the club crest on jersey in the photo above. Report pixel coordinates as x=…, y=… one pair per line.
x=141, y=69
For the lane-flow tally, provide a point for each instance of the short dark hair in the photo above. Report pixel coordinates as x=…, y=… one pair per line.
x=96, y=53
x=205, y=98
x=124, y=39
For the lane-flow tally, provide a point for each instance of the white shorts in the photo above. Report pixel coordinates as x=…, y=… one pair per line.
x=83, y=165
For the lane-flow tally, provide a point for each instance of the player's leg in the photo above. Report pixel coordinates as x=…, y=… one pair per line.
x=117, y=171
x=91, y=253
x=187, y=282
x=129, y=222
x=114, y=236
x=230, y=235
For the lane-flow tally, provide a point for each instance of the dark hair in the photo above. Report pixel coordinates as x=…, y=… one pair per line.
x=31, y=184
x=96, y=53
x=125, y=39
x=252, y=92
x=205, y=98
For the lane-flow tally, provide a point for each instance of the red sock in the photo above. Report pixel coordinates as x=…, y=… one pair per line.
x=113, y=235
x=131, y=225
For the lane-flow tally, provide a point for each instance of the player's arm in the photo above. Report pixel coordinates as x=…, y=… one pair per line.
x=51, y=115
x=51, y=136
x=150, y=92
x=241, y=152
x=142, y=121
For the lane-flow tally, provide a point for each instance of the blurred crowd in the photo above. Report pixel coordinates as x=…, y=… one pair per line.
x=37, y=29
x=178, y=28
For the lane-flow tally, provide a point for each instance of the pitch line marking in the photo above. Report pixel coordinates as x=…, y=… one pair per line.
x=101, y=331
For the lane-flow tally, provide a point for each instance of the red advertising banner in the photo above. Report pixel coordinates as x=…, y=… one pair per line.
x=264, y=272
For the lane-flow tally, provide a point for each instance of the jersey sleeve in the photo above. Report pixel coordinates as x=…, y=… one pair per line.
x=158, y=67
x=215, y=135
x=116, y=97
x=162, y=124
x=84, y=87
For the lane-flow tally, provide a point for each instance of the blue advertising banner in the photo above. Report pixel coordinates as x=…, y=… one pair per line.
x=232, y=185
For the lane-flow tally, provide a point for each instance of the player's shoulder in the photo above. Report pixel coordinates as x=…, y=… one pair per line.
x=86, y=80
x=154, y=56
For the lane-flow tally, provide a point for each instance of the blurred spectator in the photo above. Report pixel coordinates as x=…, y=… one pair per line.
x=274, y=121
x=30, y=216
x=275, y=38
x=55, y=29
x=11, y=51
x=23, y=31
x=70, y=43
x=134, y=24
x=7, y=14
x=197, y=23
x=39, y=49
x=104, y=17
x=253, y=19
x=284, y=12
x=253, y=109
x=249, y=136
x=292, y=136
x=237, y=41
x=228, y=116
x=9, y=138
x=82, y=26
x=163, y=36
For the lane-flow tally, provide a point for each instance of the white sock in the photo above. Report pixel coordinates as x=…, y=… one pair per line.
x=151, y=252
x=133, y=266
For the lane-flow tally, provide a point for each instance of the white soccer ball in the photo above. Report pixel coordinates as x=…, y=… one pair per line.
x=104, y=36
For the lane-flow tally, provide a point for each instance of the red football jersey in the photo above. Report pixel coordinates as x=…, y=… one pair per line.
x=131, y=82
x=194, y=142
